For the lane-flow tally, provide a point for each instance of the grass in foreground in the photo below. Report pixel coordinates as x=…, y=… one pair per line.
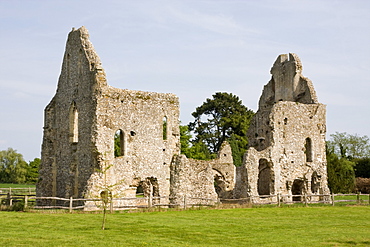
x=2, y=185
x=296, y=226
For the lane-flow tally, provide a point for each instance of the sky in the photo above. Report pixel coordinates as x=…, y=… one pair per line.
x=192, y=48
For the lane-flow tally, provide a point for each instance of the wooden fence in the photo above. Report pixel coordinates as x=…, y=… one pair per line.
x=16, y=191
x=29, y=201
x=306, y=199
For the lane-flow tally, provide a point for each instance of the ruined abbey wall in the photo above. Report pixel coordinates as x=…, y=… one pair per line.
x=80, y=126
x=87, y=119
x=286, y=137
x=145, y=152
x=211, y=179
x=97, y=136
x=67, y=161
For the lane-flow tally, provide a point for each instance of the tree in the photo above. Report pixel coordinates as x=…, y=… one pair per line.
x=13, y=168
x=222, y=118
x=341, y=174
x=362, y=168
x=33, y=171
x=352, y=155
x=197, y=150
x=349, y=146
x=185, y=137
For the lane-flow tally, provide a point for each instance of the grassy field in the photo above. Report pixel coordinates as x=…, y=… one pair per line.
x=295, y=226
x=17, y=185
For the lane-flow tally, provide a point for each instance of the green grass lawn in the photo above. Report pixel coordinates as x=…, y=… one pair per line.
x=295, y=226
x=17, y=185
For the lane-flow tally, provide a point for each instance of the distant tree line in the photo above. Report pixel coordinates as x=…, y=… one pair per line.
x=13, y=168
x=348, y=157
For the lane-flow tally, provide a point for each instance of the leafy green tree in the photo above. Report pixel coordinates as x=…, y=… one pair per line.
x=13, y=168
x=362, y=168
x=349, y=146
x=222, y=118
x=197, y=150
x=33, y=171
x=185, y=137
x=341, y=174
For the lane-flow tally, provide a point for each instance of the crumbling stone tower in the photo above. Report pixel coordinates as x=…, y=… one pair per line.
x=86, y=119
x=286, y=151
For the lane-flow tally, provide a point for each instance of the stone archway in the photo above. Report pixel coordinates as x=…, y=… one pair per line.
x=297, y=189
x=315, y=182
x=219, y=183
x=265, y=181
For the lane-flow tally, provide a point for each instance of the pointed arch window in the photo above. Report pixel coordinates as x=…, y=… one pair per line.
x=164, y=128
x=73, y=123
x=308, y=150
x=119, y=143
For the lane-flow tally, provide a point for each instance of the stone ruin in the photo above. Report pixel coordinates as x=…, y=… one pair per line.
x=97, y=136
x=86, y=116
x=286, y=153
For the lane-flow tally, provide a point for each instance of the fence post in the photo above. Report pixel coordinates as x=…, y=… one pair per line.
x=150, y=200
x=10, y=191
x=332, y=199
x=29, y=190
x=184, y=201
x=278, y=199
x=25, y=201
x=358, y=197
x=111, y=205
x=70, y=204
x=305, y=199
x=10, y=200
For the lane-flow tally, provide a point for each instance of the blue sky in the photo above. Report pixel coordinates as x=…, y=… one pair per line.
x=190, y=48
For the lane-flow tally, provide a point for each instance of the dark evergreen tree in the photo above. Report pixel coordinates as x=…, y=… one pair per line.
x=222, y=118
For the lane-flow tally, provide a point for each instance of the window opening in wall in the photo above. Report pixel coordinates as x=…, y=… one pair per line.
x=219, y=183
x=119, y=143
x=315, y=182
x=139, y=191
x=73, y=123
x=265, y=180
x=308, y=150
x=164, y=128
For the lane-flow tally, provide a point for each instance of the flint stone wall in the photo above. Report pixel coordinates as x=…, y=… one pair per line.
x=286, y=150
x=286, y=137
x=198, y=178
x=81, y=121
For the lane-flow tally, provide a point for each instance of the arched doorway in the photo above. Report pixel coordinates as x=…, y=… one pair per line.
x=315, y=182
x=219, y=183
x=297, y=189
x=265, y=181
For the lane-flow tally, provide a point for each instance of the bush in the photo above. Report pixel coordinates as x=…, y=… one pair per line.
x=362, y=168
x=363, y=185
x=341, y=174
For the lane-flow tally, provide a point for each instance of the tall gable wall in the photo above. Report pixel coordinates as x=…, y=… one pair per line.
x=286, y=137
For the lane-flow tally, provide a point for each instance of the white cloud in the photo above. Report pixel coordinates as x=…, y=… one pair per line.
x=218, y=23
